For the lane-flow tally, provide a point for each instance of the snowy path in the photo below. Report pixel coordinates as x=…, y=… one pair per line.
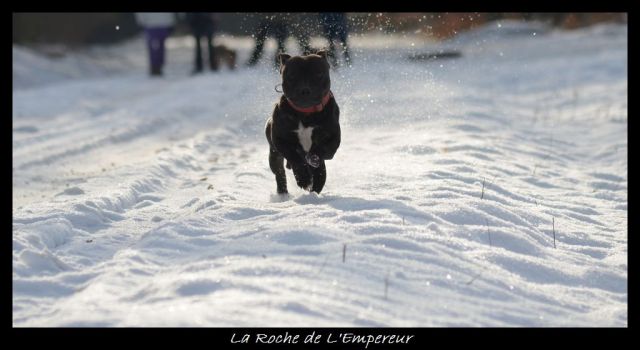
x=150, y=203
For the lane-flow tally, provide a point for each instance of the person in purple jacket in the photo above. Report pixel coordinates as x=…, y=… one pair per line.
x=157, y=27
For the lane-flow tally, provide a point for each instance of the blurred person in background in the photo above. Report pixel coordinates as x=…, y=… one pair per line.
x=157, y=27
x=203, y=25
x=334, y=25
x=300, y=28
x=280, y=26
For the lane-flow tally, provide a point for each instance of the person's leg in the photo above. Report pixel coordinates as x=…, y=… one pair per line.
x=261, y=37
x=332, y=53
x=345, y=47
x=198, y=53
x=154, y=45
x=280, y=32
x=304, y=41
x=148, y=37
x=213, y=60
x=164, y=34
x=329, y=34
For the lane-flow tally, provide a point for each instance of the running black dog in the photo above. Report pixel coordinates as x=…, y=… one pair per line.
x=304, y=128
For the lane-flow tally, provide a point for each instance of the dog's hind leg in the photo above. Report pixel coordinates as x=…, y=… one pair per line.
x=319, y=177
x=276, y=163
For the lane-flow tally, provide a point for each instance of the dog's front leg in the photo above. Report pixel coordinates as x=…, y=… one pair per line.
x=303, y=174
x=326, y=149
x=295, y=156
x=319, y=177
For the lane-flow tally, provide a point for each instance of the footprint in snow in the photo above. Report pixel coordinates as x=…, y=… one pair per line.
x=27, y=129
x=190, y=203
x=278, y=198
x=71, y=191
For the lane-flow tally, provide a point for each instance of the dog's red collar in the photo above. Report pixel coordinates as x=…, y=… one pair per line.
x=313, y=109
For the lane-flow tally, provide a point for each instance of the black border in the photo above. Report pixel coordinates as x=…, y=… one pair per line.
x=213, y=337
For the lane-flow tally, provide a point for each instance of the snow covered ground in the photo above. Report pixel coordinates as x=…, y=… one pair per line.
x=142, y=202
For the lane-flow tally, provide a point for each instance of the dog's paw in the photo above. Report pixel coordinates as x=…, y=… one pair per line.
x=304, y=181
x=310, y=186
x=313, y=160
x=302, y=173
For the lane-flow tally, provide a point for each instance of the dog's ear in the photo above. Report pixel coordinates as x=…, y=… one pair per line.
x=322, y=53
x=283, y=58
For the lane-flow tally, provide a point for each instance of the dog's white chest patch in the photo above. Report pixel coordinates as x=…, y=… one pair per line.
x=304, y=136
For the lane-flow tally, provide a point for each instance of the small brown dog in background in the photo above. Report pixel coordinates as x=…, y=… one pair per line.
x=225, y=55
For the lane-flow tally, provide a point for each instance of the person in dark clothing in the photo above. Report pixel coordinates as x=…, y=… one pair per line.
x=277, y=25
x=203, y=25
x=335, y=27
x=301, y=31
